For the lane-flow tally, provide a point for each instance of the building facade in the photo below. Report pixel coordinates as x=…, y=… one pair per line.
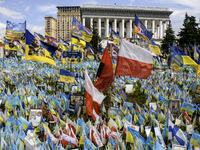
x=50, y=25
x=63, y=24
x=120, y=18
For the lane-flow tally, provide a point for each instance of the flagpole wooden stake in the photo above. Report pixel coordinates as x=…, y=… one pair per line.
x=111, y=89
x=195, y=86
x=25, y=56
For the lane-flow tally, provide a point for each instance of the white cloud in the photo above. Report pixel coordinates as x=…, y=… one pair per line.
x=11, y=13
x=2, y=29
x=35, y=28
x=1, y=2
x=50, y=9
x=27, y=9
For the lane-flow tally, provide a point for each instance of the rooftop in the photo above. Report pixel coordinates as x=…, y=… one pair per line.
x=124, y=7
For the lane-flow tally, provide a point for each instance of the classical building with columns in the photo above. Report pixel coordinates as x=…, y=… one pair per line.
x=121, y=18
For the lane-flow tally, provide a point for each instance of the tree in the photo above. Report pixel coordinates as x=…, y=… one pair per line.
x=189, y=32
x=95, y=38
x=168, y=38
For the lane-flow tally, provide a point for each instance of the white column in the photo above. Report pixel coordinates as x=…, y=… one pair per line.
x=122, y=28
x=130, y=28
x=99, y=26
x=145, y=23
x=153, y=28
x=160, y=29
x=115, y=25
x=84, y=21
x=158, y=34
x=107, y=27
x=164, y=28
x=91, y=23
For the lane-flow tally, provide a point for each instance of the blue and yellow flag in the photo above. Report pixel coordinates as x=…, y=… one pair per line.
x=155, y=48
x=80, y=31
x=196, y=53
x=49, y=37
x=40, y=36
x=141, y=30
x=198, y=67
x=187, y=60
x=10, y=46
x=78, y=41
x=176, y=59
x=37, y=50
x=114, y=37
x=15, y=31
x=195, y=140
x=63, y=45
x=67, y=76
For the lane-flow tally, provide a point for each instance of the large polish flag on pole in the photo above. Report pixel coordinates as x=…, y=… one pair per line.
x=134, y=61
x=93, y=98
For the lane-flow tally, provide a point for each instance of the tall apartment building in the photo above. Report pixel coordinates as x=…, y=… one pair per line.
x=120, y=18
x=63, y=26
x=50, y=25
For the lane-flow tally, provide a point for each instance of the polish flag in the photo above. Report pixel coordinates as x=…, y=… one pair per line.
x=133, y=61
x=93, y=98
x=47, y=131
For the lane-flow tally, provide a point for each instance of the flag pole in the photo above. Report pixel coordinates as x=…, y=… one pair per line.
x=3, y=53
x=111, y=89
x=25, y=56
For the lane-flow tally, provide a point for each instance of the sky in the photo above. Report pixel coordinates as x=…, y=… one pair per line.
x=34, y=11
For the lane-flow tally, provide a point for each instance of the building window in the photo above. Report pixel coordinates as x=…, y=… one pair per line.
x=102, y=33
x=102, y=24
x=95, y=23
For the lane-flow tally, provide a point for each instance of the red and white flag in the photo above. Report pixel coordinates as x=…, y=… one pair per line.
x=93, y=98
x=133, y=61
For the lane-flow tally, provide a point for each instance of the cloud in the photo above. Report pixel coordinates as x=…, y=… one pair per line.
x=27, y=9
x=2, y=29
x=50, y=9
x=1, y=2
x=11, y=13
x=35, y=28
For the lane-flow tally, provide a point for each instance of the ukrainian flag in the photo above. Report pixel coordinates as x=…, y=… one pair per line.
x=155, y=48
x=196, y=53
x=141, y=30
x=188, y=107
x=64, y=46
x=10, y=46
x=198, y=67
x=66, y=76
x=37, y=50
x=80, y=31
x=78, y=41
x=114, y=37
x=40, y=36
x=187, y=60
x=131, y=133
x=49, y=36
x=195, y=140
x=15, y=31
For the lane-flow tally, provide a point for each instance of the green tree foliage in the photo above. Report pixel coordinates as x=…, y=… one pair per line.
x=95, y=38
x=168, y=38
x=189, y=32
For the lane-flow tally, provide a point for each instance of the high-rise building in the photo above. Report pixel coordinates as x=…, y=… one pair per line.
x=50, y=25
x=63, y=26
x=120, y=18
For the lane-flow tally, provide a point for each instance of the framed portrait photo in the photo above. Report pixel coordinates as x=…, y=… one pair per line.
x=77, y=99
x=153, y=105
x=174, y=106
x=60, y=87
x=35, y=116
